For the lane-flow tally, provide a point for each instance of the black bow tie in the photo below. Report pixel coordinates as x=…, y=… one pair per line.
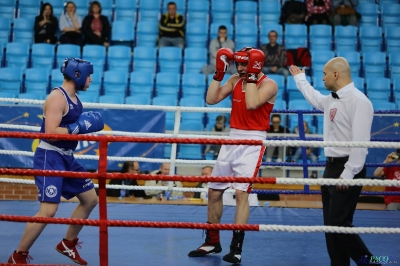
x=334, y=95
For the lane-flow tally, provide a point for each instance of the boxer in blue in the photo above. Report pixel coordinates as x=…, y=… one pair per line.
x=62, y=114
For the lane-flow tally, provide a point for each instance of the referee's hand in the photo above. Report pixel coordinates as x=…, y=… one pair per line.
x=294, y=70
x=342, y=187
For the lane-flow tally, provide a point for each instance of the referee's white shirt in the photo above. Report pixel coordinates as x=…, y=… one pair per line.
x=346, y=119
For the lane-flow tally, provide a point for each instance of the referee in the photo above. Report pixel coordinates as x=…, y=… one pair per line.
x=348, y=115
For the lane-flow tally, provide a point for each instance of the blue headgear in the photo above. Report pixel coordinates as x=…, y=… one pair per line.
x=78, y=70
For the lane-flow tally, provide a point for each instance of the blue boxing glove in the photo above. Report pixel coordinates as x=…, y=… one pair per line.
x=87, y=122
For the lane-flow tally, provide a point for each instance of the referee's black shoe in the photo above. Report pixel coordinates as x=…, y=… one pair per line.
x=235, y=253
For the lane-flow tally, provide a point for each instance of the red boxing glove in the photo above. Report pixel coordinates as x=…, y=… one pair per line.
x=223, y=61
x=254, y=65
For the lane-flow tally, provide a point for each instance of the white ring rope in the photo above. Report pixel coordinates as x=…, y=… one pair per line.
x=279, y=180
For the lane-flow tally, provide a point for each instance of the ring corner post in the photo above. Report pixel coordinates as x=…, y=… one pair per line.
x=103, y=228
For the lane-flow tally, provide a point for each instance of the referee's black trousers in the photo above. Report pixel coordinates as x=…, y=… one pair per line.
x=338, y=210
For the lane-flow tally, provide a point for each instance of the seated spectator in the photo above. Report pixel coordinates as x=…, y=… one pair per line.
x=275, y=56
x=70, y=26
x=309, y=151
x=318, y=12
x=293, y=12
x=391, y=173
x=96, y=27
x=205, y=171
x=172, y=28
x=131, y=168
x=219, y=126
x=344, y=13
x=221, y=41
x=164, y=170
x=46, y=25
x=276, y=152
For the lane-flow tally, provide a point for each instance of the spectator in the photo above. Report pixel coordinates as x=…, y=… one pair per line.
x=164, y=170
x=392, y=202
x=205, y=171
x=275, y=56
x=96, y=27
x=220, y=126
x=309, y=151
x=46, y=25
x=344, y=13
x=172, y=28
x=293, y=12
x=221, y=41
x=70, y=25
x=276, y=128
x=318, y=12
x=131, y=168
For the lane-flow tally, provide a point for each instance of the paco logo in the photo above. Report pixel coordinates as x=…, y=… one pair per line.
x=240, y=57
x=257, y=65
x=51, y=191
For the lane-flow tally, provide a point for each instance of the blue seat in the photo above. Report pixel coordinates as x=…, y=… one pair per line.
x=192, y=101
x=378, y=84
x=319, y=59
x=193, y=84
x=248, y=29
x=141, y=84
x=11, y=80
x=396, y=85
x=266, y=28
x=191, y=125
x=295, y=36
x=123, y=31
x=149, y=5
x=320, y=37
x=221, y=16
x=390, y=21
x=359, y=83
x=58, y=7
x=66, y=51
x=148, y=15
x=95, y=86
x=379, y=95
x=170, y=59
x=115, y=99
x=374, y=64
x=370, y=38
x=246, y=41
x=28, y=8
x=167, y=84
x=144, y=59
x=146, y=33
x=17, y=54
x=169, y=116
x=292, y=91
x=214, y=30
x=32, y=96
x=7, y=9
x=320, y=31
x=245, y=18
x=279, y=79
x=392, y=38
x=390, y=10
x=369, y=14
x=319, y=85
x=196, y=34
x=106, y=8
x=198, y=11
x=115, y=82
x=57, y=78
x=246, y=12
x=180, y=6
x=345, y=38
x=210, y=78
x=23, y=30
x=128, y=13
x=119, y=58
x=37, y=80
x=88, y=98
x=394, y=72
x=353, y=58
x=138, y=99
x=5, y=27
x=280, y=105
x=190, y=151
x=269, y=11
x=383, y=105
x=7, y=95
x=96, y=54
x=43, y=55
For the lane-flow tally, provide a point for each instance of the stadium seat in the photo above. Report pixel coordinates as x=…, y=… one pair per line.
x=58, y=7
x=23, y=30
x=392, y=39
x=246, y=41
x=299, y=104
x=11, y=80
x=148, y=15
x=390, y=21
x=149, y=5
x=280, y=105
x=379, y=96
x=266, y=28
x=320, y=37
x=95, y=86
x=119, y=58
x=144, y=59
x=196, y=34
x=125, y=10
x=369, y=14
x=32, y=96
x=141, y=84
x=7, y=9
x=359, y=83
x=57, y=78
x=180, y=6
x=353, y=58
x=88, y=98
x=246, y=12
x=170, y=59
x=370, y=38
x=43, y=55
x=146, y=33
x=394, y=72
x=28, y=8
x=17, y=54
x=7, y=95
x=115, y=83
x=390, y=10
x=138, y=99
x=269, y=11
x=190, y=151
x=66, y=51
x=319, y=59
x=378, y=84
x=37, y=80
x=383, y=105
x=374, y=64
x=198, y=12
x=106, y=8
x=167, y=84
x=345, y=38
x=123, y=31
x=5, y=27
x=169, y=116
x=292, y=91
x=214, y=30
x=191, y=125
x=295, y=36
x=221, y=17
x=193, y=84
x=195, y=59
x=96, y=54
x=115, y=99
x=192, y=101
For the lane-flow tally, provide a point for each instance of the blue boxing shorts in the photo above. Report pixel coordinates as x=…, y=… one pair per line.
x=51, y=188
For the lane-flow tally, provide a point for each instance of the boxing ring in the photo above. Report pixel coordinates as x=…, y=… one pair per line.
x=139, y=234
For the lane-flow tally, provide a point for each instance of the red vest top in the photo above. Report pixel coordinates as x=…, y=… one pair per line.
x=242, y=118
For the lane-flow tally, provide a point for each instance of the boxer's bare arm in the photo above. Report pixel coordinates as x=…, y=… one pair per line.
x=257, y=97
x=217, y=93
x=53, y=109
